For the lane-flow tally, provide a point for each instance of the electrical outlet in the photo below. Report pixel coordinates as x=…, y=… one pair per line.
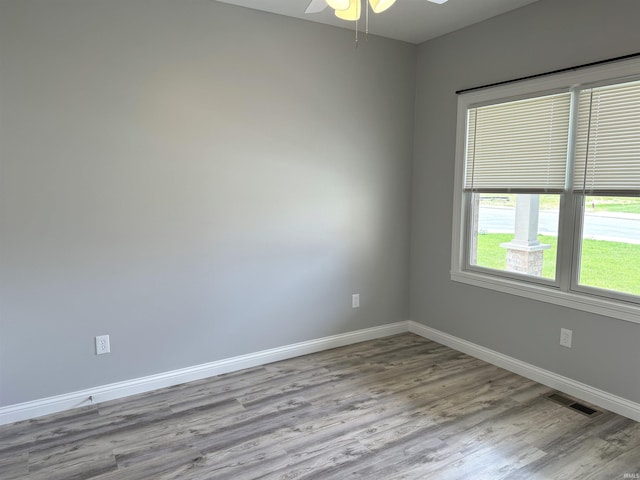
x=355, y=300
x=565, y=337
x=102, y=344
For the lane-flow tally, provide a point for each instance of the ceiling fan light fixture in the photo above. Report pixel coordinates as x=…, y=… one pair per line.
x=352, y=13
x=339, y=4
x=379, y=6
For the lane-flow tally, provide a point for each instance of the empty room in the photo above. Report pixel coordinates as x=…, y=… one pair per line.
x=319, y=239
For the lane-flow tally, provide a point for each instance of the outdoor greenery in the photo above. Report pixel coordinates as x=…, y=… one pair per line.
x=608, y=265
x=627, y=207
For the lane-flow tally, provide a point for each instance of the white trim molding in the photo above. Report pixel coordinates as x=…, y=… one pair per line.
x=587, y=303
x=564, y=384
x=59, y=403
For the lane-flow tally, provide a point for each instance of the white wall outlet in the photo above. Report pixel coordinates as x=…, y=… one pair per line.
x=566, y=336
x=355, y=300
x=102, y=344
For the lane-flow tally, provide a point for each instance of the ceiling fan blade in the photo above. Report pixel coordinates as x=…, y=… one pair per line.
x=316, y=6
x=439, y=2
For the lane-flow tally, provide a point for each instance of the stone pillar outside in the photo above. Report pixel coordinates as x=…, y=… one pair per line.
x=525, y=253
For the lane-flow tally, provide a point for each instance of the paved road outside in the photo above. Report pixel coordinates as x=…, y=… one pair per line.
x=615, y=227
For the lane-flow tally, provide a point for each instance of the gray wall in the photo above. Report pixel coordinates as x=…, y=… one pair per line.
x=197, y=180
x=201, y=181
x=546, y=35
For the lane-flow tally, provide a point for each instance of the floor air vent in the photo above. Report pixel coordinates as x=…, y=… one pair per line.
x=572, y=404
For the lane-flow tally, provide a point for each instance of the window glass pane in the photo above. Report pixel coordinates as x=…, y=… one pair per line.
x=515, y=233
x=610, y=256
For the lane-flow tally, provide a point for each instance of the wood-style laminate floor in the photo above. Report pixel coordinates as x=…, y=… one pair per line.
x=400, y=407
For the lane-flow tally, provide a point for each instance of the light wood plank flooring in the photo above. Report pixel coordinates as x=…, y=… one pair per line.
x=400, y=407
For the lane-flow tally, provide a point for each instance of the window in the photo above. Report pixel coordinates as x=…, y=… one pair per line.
x=548, y=190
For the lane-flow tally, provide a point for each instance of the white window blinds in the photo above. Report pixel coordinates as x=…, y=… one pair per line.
x=608, y=140
x=518, y=146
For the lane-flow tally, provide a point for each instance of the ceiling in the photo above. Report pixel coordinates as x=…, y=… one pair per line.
x=413, y=21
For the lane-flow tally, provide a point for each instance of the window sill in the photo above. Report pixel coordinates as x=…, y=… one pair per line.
x=591, y=304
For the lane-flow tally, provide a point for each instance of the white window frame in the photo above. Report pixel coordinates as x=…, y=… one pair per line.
x=564, y=290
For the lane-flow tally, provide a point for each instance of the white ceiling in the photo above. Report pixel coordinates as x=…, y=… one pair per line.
x=413, y=21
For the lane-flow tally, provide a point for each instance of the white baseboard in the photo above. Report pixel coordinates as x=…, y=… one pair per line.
x=571, y=387
x=58, y=403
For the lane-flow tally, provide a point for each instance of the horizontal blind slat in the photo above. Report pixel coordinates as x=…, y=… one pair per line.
x=518, y=144
x=608, y=139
